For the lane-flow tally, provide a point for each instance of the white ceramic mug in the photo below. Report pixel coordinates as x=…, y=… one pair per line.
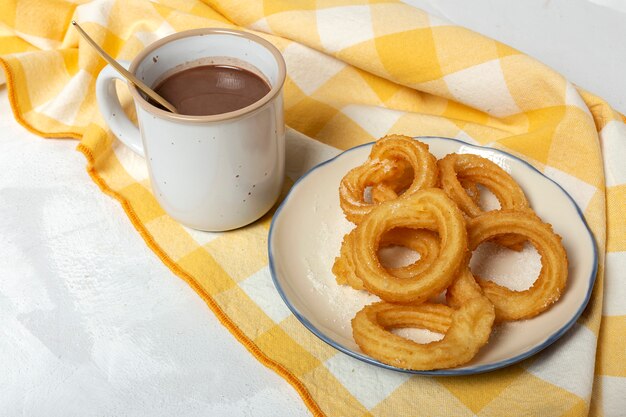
x=217, y=172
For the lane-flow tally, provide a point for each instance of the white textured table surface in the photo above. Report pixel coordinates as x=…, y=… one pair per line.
x=93, y=324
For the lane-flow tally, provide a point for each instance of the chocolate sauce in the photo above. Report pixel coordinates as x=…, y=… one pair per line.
x=211, y=89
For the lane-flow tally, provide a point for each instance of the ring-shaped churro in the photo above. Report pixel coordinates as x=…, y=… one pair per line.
x=517, y=305
x=466, y=325
x=426, y=209
x=459, y=170
x=390, y=159
x=424, y=242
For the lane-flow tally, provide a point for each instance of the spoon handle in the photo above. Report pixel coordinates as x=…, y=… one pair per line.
x=130, y=77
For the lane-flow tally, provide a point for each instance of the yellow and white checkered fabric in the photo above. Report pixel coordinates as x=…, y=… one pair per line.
x=356, y=70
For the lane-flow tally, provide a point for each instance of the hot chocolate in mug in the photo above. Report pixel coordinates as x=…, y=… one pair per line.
x=215, y=172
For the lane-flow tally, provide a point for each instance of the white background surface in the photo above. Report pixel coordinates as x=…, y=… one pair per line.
x=93, y=324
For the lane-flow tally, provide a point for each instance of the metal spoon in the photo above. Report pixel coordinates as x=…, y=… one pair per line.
x=130, y=77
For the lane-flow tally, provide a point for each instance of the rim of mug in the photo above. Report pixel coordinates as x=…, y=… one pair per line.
x=275, y=89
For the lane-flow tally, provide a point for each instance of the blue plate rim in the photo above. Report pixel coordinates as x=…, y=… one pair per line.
x=439, y=372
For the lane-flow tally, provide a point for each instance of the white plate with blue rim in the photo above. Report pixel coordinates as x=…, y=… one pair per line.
x=308, y=227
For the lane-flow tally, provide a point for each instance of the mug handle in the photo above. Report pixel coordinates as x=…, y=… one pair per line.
x=111, y=109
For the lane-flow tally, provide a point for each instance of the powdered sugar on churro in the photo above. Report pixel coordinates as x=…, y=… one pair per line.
x=418, y=335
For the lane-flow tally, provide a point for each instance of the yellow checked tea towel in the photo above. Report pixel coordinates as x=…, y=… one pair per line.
x=357, y=70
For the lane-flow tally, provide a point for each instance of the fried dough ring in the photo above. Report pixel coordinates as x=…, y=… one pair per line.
x=518, y=305
x=457, y=170
x=426, y=209
x=387, y=163
x=424, y=242
x=467, y=324
x=391, y=187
